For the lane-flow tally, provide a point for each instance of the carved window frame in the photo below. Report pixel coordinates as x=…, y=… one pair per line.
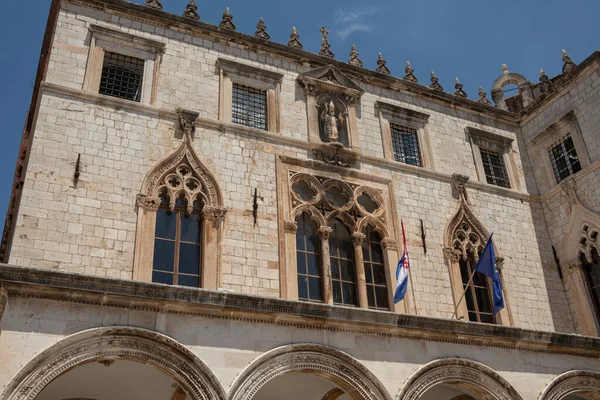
x=543, y=141
x=231, y=72
x=391, y=114
x=213, y=211
x=103, y=40
x=487, y=141
x=384, y=220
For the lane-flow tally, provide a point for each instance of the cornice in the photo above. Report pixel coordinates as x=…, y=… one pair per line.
x=105, y=292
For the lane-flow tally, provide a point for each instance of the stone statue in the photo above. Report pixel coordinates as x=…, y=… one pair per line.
x=331, y=122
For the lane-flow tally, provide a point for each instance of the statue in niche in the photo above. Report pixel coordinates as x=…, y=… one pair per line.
x=332, y=124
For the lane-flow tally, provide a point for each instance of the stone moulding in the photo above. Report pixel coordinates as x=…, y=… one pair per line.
x=135, y=344
x=340, y=368
x=572, y=382
x=478, y=377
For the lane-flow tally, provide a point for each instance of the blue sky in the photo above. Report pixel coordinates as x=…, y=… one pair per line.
x=469, y=39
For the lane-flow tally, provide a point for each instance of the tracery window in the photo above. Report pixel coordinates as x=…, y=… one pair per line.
x=308, y=256
x=177, y=243
x=343, y=271
x=477, y=293
x=377, y=292
x=592, y=273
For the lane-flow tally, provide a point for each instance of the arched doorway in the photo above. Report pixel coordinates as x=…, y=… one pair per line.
x=574, y=385
x=147, y=352
x=456, y=379
x=307, y=371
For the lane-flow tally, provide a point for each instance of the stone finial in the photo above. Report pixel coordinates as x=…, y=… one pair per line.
x=294, y=41
x=261, y=30
x=154, y=4
x=545, y=82
x=435, y=83
x=354, y=60
x=459, y=89
x=227, y=20
x=381, y=67
x=409, y=73
x=568, y=65
x=325, y=46
x=191, y=11
x=483, y=97
x=505, y=69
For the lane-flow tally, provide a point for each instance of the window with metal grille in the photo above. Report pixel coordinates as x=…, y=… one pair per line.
x=308, y=257
x=249, y=107
x=405, y=144
x=477, y=293
x=495, y=169
x=343, y=270
x=377, y=292
x=564, y=158
x=122, y=77
x=177, y=244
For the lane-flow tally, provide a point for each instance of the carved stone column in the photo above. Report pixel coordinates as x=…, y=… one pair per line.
x=390, y=258
x=291, y=263
x=212, y=228
x=579, y=298
x=359, y=264
x=324, y=233
x=453, y=257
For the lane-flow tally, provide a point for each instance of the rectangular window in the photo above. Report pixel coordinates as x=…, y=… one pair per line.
x=564, y=158
x=249, y=107
x=122, y=77
x=495, y=169
x=405, y=144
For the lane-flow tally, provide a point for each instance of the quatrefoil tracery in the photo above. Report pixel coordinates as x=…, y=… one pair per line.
x=588, y=240
x=181, y=183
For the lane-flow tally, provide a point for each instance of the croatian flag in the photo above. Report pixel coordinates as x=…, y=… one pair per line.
x=402, y=272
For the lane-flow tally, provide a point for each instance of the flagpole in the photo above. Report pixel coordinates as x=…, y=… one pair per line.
x=412, y=289
x=464, y=292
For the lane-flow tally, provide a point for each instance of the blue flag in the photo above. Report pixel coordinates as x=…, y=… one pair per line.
x=487, y=266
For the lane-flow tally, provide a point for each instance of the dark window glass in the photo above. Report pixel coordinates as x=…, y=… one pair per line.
x=377, y=292
x=564, y=159
x=122, y=77
x=308, y=256
x=249, y=107
x=495, y=169
x=592, y=272
x=177, y=244
x=405, y=144
x=477, y=295
x=367, y=203
x=343, y=274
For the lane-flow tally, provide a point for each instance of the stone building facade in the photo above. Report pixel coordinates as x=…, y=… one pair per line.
x=198, y=213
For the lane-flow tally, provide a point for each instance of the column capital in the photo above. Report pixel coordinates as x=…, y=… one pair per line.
x=148, y=203
x=571, y=267
x=451, y=254
x=214, y=213
x=324, y=232
x=290, y=226
x=389, y=244
x=357, y=238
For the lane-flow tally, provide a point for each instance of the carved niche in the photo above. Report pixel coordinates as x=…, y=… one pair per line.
x=331, y=99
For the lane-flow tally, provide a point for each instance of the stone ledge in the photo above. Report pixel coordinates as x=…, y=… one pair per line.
x=84, y=289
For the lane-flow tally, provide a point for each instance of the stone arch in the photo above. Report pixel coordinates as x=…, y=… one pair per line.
x=573, y=382
x=571, y=246
x=477, y=376
x=455, y=228
x=332, y=364
x=344, y=217
x=377, y=225
x=130, y=343
x=511, y=78
x=312, y=211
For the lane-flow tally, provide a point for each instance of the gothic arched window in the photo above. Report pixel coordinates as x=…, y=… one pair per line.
x=178, y=243
x=308, y=256
x=592, y=273
x=377, y=291
x=478, y=296
x=343, y=269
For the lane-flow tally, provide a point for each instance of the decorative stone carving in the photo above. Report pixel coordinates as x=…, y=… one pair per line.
x=324, y=232
x=261, y=30
x=331, y=121
x=290, y=226
x=357, y=238
x=569, y=268
x=154, y=4
x=187, y=121
x=325, y=46
x=227, y=21
x=381, y=67
x=480, y=379
x=435, y=83
x=191, y=11
x=452, y=255
x=348, y=373
x=568, y=64
x=138, y=344
x=571, y=383
x=214, y=213
x=459, y=186
x=589, y=239
x=409, y=73
x=459, y=89
x=390, y=244
x=483, y=97
x=336, y=154
x=354, y=60
x=294, y=41
x=545, y=83
x=148, y=203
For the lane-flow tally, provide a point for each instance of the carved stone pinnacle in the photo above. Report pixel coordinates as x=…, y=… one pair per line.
x=261, y=30
x=154, y=4
x=381, y=67
x=409, y=73
x=568, y=64
x=227, y=21
x=354, y=60
x=546, y=85
x=483, y=97
x=191, y=11
x=459, y=89
x=294, y=41
x=325, y=46
x=435, y=83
